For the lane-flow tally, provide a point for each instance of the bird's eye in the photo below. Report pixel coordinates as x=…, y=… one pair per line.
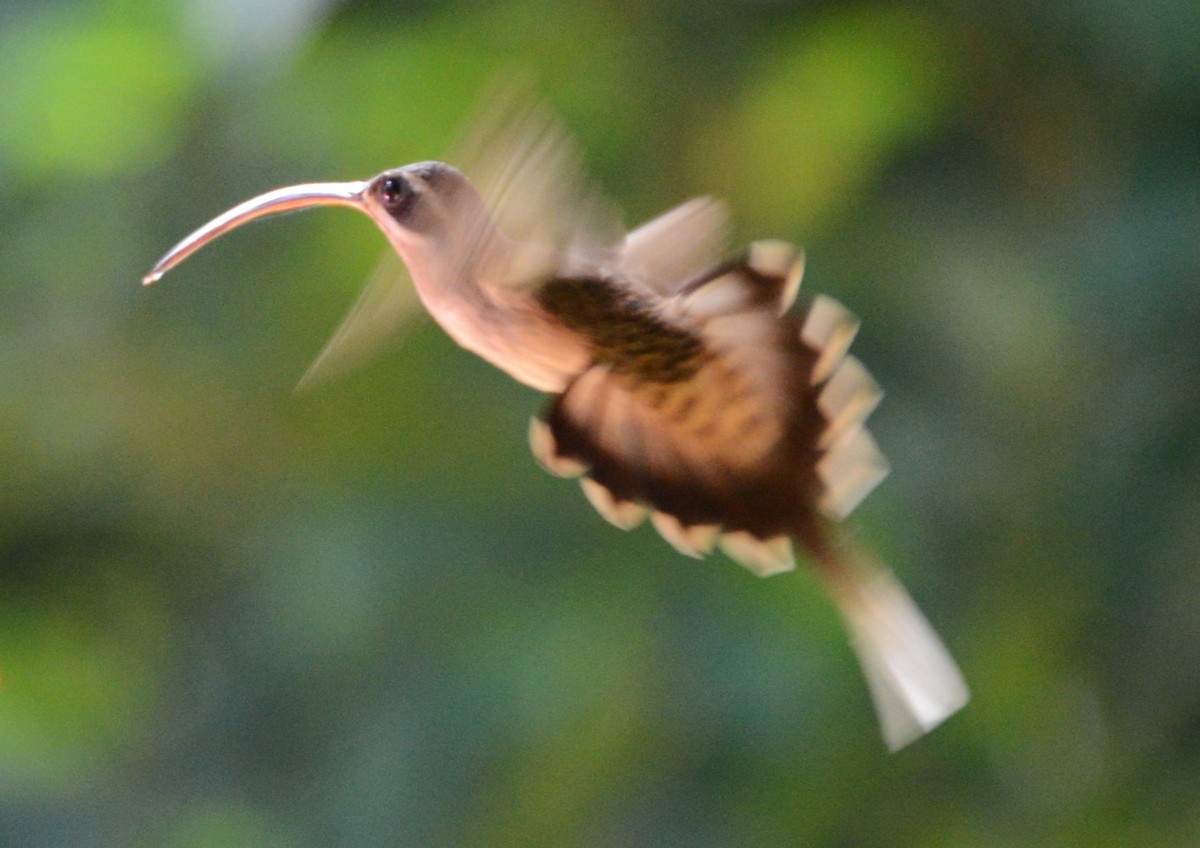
x=396, y=193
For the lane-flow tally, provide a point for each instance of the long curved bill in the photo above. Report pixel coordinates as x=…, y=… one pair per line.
x=272, y=203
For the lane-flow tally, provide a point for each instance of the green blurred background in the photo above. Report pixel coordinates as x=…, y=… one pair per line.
x=232, y=615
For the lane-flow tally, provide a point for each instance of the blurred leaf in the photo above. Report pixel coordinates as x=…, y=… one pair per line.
x=88, y=97
x=819, y=119
x=79, y=674
x=214, y=825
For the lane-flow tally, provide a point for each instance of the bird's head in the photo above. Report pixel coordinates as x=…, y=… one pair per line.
x=429, y=211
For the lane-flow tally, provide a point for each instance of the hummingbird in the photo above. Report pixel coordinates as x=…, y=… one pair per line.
x=686, y=385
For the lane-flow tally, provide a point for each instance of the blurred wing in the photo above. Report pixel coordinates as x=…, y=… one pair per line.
x=676, y=446
x=527, y=169
x=387, y=303
x=766, y=279
x=677, y=246
x=748, y=448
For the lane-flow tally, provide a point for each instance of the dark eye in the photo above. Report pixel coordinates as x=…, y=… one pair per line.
x=396, y=193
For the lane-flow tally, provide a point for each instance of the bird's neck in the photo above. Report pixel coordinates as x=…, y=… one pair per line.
x=488, y=311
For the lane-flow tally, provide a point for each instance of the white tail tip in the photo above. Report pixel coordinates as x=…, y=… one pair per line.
x=914, y=682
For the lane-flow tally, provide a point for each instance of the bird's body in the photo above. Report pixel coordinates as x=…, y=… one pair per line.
x=685, y=386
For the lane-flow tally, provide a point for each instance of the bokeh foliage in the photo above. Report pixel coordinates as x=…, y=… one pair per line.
x=234, y=615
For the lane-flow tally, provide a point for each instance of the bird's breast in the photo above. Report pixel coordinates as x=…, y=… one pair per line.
x=514, y=332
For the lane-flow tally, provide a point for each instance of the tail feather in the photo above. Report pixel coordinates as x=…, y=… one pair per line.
x=914, y=682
